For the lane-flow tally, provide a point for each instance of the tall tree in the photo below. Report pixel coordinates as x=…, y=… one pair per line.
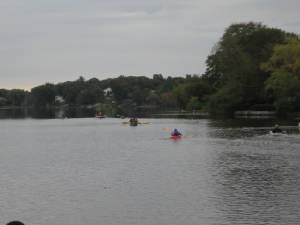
x=234, y=66
x=43, y=95
x=283, y=85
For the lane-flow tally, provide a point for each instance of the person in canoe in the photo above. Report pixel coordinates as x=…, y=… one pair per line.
x=133, y=121
x=175, y=132
x=276, y=129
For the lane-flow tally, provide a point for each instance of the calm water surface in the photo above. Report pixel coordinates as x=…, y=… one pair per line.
x=91, y=171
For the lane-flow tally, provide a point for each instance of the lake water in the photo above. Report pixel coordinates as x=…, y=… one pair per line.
x=92, y=171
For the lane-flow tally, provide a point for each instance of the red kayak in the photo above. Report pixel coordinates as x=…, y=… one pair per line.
x=175, y=137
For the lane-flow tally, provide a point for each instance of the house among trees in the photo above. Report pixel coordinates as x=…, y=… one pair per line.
x=59, y=99
x=108, y=92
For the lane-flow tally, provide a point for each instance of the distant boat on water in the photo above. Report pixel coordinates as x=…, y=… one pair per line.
x=99, y=115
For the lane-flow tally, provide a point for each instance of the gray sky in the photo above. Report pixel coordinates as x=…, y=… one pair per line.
x=59, y=40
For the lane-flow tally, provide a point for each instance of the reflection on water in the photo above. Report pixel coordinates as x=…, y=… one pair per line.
x=91, y=171
x=239, y=128
x=47, y=113
x=15, y=113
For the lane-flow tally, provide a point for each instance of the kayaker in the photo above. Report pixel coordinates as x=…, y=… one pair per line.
x=276, y=129
x=133, y=120
x=175, y=132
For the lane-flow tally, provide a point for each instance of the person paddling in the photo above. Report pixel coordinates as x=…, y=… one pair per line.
x=276, y=129
x=133, y=120
x=175, y=132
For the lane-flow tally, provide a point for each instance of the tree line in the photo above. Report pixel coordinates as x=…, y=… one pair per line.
x=252, y=67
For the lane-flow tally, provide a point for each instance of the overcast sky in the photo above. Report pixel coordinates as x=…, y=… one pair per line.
x=59, y=40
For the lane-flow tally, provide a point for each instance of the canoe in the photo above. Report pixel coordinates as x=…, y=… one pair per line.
x=133, y=123
x=175, y=137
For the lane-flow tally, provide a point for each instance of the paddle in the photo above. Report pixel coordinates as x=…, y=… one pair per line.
x=145, y=123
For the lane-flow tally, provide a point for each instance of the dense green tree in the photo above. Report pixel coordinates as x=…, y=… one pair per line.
x=225, y=101
x=181, y=96
x=235, y=65
x=194, y=89
x=168, y=100
x=43, y=95
x=17, y=97
x=71, y=89
x=14, y=97
x=4, y=97
x=197, y=88
x=283, y=85
x=153, y=98
x=193, y=104
x=90, y=95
